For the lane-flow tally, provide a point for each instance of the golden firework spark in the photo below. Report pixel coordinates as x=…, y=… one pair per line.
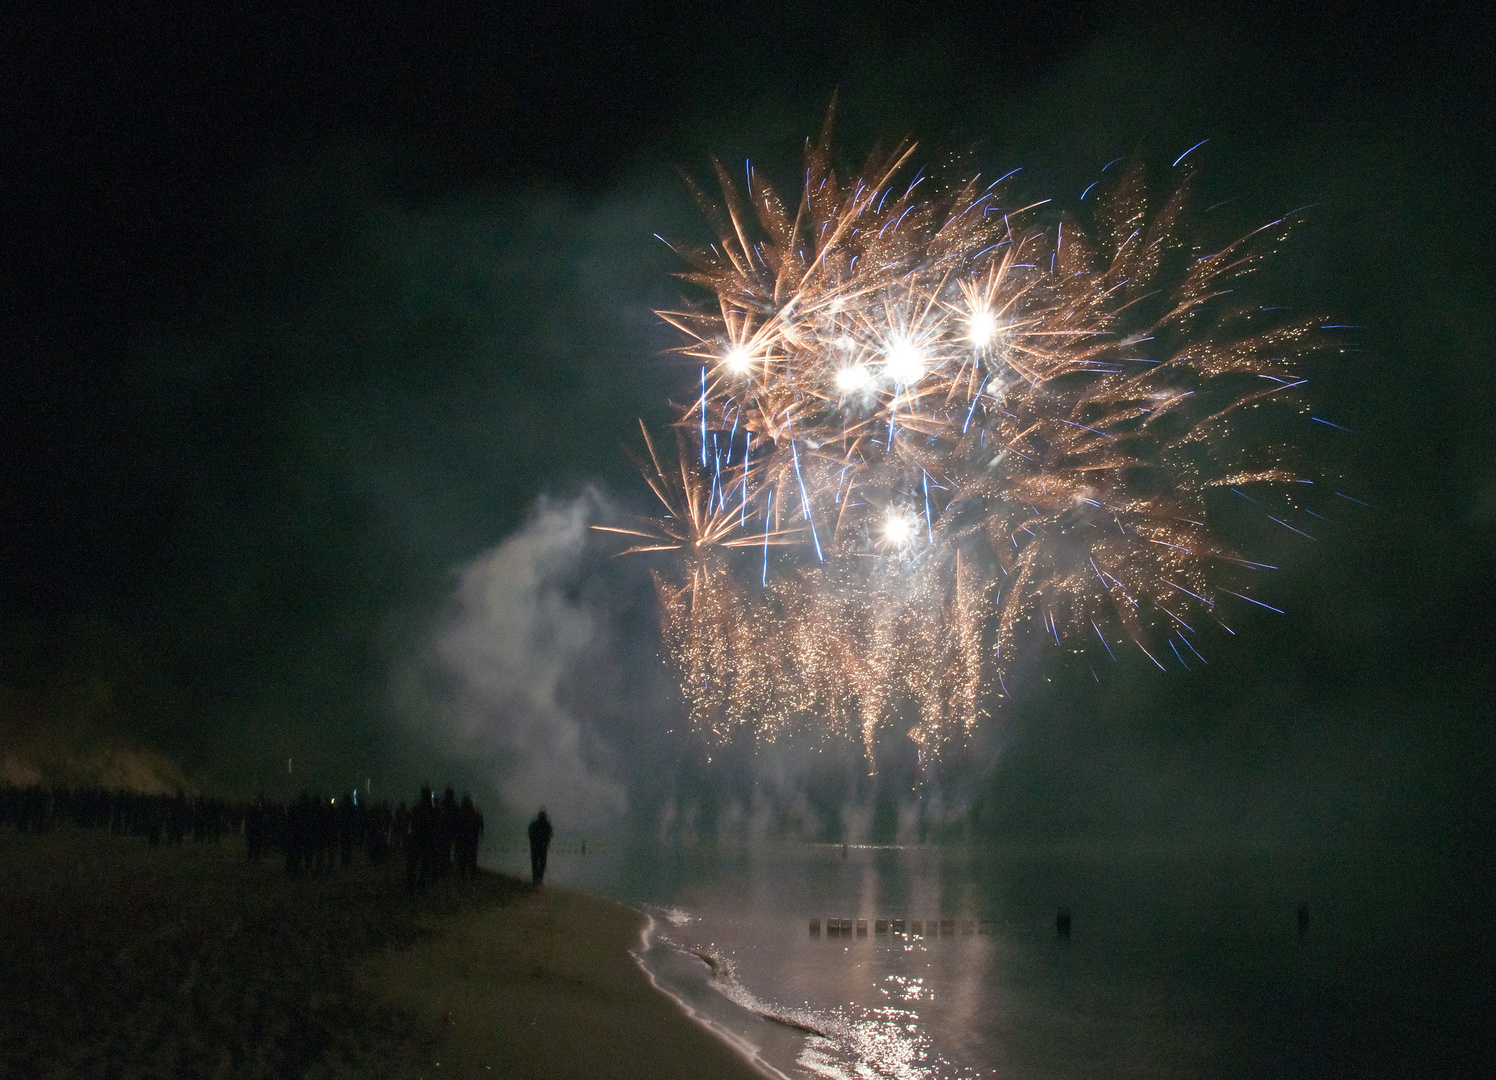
x=965, y=428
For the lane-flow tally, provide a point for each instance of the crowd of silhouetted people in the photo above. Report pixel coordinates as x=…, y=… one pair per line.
x=161, y=819
x=438, y=835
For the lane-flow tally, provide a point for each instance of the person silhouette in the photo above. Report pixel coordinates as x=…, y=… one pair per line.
x=540, y=843
x=469, y=831
x=421, y=841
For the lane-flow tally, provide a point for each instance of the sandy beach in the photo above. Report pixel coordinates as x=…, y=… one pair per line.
x=546, y=987
x=120, y=960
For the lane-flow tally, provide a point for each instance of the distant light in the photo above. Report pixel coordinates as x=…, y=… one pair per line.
x=904, y=361
x=737, y=360
x=852, y=378
x=981, y=326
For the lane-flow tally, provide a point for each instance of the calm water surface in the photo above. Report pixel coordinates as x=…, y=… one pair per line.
x=1176, y=965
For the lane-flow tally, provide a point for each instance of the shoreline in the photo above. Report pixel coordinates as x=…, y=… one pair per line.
x=553, y=984
x=744, y=1049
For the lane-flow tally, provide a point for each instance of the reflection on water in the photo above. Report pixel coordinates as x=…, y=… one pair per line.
x=928, y=962
x=851, y=1019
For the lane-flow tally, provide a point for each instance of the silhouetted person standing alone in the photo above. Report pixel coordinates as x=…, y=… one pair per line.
x=540, y=843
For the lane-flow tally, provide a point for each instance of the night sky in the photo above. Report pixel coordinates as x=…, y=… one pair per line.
x=305, y=311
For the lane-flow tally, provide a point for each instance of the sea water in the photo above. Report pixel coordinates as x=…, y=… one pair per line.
x=1176, y=964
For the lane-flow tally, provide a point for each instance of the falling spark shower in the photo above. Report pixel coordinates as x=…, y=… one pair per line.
x=934, y=429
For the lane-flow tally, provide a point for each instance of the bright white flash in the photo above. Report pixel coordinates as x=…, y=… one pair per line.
x=852, y=378
x=898, y=527
x=904, y=361
x=981, y=326
x=737, y=360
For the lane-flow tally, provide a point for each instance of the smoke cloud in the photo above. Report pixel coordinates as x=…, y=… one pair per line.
x=518, y=633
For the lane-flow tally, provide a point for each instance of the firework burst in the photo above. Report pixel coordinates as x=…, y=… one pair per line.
x=928, y=433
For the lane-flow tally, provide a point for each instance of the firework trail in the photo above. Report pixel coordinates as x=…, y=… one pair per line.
x=928, y=435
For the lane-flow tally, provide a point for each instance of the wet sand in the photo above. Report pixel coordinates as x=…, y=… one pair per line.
x=546, y=987
x=117, y=960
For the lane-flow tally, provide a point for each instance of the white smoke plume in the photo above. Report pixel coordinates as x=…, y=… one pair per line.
x=514, y=639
